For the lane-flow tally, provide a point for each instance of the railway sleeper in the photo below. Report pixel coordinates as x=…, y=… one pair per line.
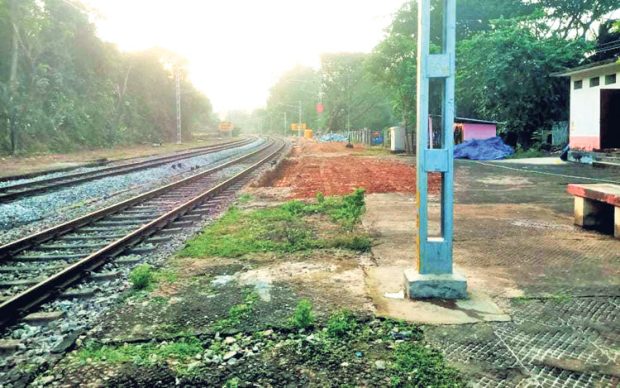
x=136, y=216
x=110, y=237
x=78, y=293
x=102, y=229
x=27, y=268
x=133, y=223
x=70, y=246
x=20, y=282
x=27, y=258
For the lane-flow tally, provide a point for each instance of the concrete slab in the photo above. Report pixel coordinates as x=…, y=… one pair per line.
x=43, y=317
x=390, y=218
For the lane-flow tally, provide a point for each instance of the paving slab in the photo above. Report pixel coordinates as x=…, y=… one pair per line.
x=391, y=219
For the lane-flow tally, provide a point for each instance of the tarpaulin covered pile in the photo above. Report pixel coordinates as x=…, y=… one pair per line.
x=328, y=137
x=488, y=149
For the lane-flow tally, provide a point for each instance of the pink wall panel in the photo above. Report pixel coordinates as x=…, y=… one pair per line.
x=478, y=131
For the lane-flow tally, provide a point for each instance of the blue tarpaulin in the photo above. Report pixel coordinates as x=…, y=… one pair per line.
x=488, y=149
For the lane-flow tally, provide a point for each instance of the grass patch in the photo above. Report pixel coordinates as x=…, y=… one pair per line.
x=283, y=229
x=417, y=366
x=237, y=313
x=341, y=324
x=142, y=277
x=177, y=353
x=244, y=198
x=303, y=317
x=533, y=152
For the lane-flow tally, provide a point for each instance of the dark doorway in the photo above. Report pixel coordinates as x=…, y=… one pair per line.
x=610, y=118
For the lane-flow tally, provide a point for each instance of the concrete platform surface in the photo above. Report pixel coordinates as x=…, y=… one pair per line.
x=544, y=293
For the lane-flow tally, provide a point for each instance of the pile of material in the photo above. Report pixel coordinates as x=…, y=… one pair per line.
x=488, y=149
x=333, y=137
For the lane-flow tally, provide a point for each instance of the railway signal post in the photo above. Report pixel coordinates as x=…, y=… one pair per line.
x=434, y=277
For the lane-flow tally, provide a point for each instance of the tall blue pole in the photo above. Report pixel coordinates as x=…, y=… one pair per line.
x=434, y=277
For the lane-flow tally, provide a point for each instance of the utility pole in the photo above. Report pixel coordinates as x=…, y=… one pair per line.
x=299, y=128
x=434, y=277
x=13, y=77
x=285, y=128
x=177, y=79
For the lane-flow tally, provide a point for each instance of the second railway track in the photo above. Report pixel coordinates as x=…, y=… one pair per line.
x=14, y=192
x=39, y=267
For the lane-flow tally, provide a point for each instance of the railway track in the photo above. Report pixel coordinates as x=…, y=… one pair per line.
x=16, y=191
x=39, y=267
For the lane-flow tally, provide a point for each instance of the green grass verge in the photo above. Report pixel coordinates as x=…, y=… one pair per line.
x=283, y=229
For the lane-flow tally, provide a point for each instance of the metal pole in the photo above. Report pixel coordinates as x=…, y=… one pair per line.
x=434, y=277
x=299, y=128
x=177, y=79
x=285, y=128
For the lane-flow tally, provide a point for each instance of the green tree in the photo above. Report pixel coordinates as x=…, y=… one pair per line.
x=300, y=85
x=62, y=88
x=505, y=75
x=352, y=98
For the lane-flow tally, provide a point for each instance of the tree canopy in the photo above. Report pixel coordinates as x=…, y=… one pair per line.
x=62, y=88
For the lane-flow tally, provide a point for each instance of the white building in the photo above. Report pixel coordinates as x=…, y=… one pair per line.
x=594, y=106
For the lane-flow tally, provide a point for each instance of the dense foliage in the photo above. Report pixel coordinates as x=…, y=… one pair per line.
x=507, y=51
x=62, y=88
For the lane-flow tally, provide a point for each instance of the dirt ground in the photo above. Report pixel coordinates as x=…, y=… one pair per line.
x=18, y=165
x=555, y=286
x=333, y=169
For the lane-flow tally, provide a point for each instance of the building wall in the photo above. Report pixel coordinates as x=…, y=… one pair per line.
x=478, y=131
x=585, y=107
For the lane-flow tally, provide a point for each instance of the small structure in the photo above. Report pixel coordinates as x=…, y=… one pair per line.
x=397, y=139
x=475, y=129
x=594, y=105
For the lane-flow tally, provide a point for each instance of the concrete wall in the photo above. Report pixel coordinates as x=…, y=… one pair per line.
x=585, y=107
x=478, y=131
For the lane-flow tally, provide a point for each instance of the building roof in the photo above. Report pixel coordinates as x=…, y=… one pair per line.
x=468, y=120
x=473, y=121
x=607, y=63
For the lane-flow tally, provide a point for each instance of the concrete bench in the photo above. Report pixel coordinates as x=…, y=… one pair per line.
x=597, y=205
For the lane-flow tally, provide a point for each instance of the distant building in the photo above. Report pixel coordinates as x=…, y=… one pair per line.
x=594, y=106
x=476, y=129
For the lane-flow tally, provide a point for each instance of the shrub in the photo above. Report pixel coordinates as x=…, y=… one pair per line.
x=341, y=324
x=141, y=277
x=303, y=316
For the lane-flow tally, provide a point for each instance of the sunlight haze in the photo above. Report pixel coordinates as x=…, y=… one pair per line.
x=238, y=49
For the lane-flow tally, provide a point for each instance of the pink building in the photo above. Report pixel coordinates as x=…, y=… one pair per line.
x=476, y=129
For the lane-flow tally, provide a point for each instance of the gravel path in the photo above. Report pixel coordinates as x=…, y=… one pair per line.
x=38, y=212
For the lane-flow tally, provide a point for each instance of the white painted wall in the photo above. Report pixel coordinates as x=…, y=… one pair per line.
x=585, y=104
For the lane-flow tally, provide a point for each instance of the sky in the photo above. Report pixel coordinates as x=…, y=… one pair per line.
x=237, y=49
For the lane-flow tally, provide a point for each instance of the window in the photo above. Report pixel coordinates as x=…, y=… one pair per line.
x=595, y=81
x=610, y=79
x=578, y=84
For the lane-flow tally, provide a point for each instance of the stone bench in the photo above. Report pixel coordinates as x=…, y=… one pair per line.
x=597, y=205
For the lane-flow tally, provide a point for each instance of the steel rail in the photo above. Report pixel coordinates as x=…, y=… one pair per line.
x=8, y=193
x=14, y=247
x=34, y=296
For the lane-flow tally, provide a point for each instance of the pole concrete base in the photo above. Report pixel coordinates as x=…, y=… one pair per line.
x=444, y=286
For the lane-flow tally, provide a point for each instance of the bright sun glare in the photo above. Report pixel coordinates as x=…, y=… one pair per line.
x=237, y=49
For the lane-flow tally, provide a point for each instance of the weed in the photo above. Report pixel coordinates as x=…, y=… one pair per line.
x=244, y=198
x=282, y=229
x=237, y=313
x=353, y=242
x=320, y=198
x=303, y=317
x=142, y=277
x=232, y=383
x=341, y=324
x=422, y=367
x=141, y=354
